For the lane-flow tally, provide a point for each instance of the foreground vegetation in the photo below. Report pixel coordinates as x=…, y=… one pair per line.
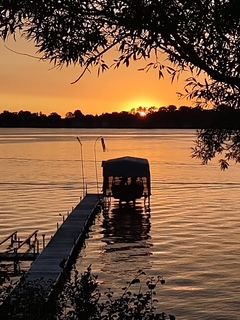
x=82, y=298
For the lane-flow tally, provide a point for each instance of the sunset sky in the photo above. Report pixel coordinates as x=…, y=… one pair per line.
x=29, y=84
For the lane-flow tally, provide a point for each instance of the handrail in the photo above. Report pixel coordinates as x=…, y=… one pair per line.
x=21, y=243
x=8, y=237
x=28, y=239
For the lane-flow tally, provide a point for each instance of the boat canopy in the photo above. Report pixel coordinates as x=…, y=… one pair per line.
x=126, y=178
x=126, y=167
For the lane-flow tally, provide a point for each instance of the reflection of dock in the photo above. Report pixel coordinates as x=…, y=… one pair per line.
x=50, y=266
x=20, y=256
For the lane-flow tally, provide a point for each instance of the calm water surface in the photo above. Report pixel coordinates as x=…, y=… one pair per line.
x=191, y=236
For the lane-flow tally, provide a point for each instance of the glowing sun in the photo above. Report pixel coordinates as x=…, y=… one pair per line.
x=142, y=114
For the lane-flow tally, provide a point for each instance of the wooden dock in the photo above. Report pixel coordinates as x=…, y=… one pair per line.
x=58, y=253
x=52, y=263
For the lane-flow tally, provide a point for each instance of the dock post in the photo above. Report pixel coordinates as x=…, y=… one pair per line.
x=43, y=236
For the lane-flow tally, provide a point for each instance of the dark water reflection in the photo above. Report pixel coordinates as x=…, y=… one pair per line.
x=127, y=224
x=119, y=244
x=126, y=234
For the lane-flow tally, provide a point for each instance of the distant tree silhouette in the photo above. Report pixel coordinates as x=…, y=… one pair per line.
x=171, y=108
x=78, y=114
x=8, y=119
x=223, y=118
x=133, y=111
x=185, y=108
x=152, y=109
x=201, y=36
x=54, y=120
x=141, y=109
x=74, y=119
x=162, y=109
x=69, y=115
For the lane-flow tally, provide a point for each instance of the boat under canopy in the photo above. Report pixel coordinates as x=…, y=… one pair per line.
x=126, y=178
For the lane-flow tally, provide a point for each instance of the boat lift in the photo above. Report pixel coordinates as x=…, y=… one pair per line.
x=127, y=179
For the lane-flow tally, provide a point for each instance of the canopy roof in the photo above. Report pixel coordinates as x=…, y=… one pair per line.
x=126, y=167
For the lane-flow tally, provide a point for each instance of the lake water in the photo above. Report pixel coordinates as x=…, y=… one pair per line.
x=191, y=236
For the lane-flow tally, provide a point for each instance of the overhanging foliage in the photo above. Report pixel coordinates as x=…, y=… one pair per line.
x=197, y=35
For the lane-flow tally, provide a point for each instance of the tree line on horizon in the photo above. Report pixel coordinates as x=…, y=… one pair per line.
x=184, y=117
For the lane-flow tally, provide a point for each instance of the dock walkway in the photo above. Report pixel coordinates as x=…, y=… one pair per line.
x=58, y=253
x=52, y=264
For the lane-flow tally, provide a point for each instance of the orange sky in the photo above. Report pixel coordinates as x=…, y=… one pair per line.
x=30, y=84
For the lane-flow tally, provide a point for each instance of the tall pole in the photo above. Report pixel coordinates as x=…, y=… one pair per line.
x=95, y=157
x=81, y=158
